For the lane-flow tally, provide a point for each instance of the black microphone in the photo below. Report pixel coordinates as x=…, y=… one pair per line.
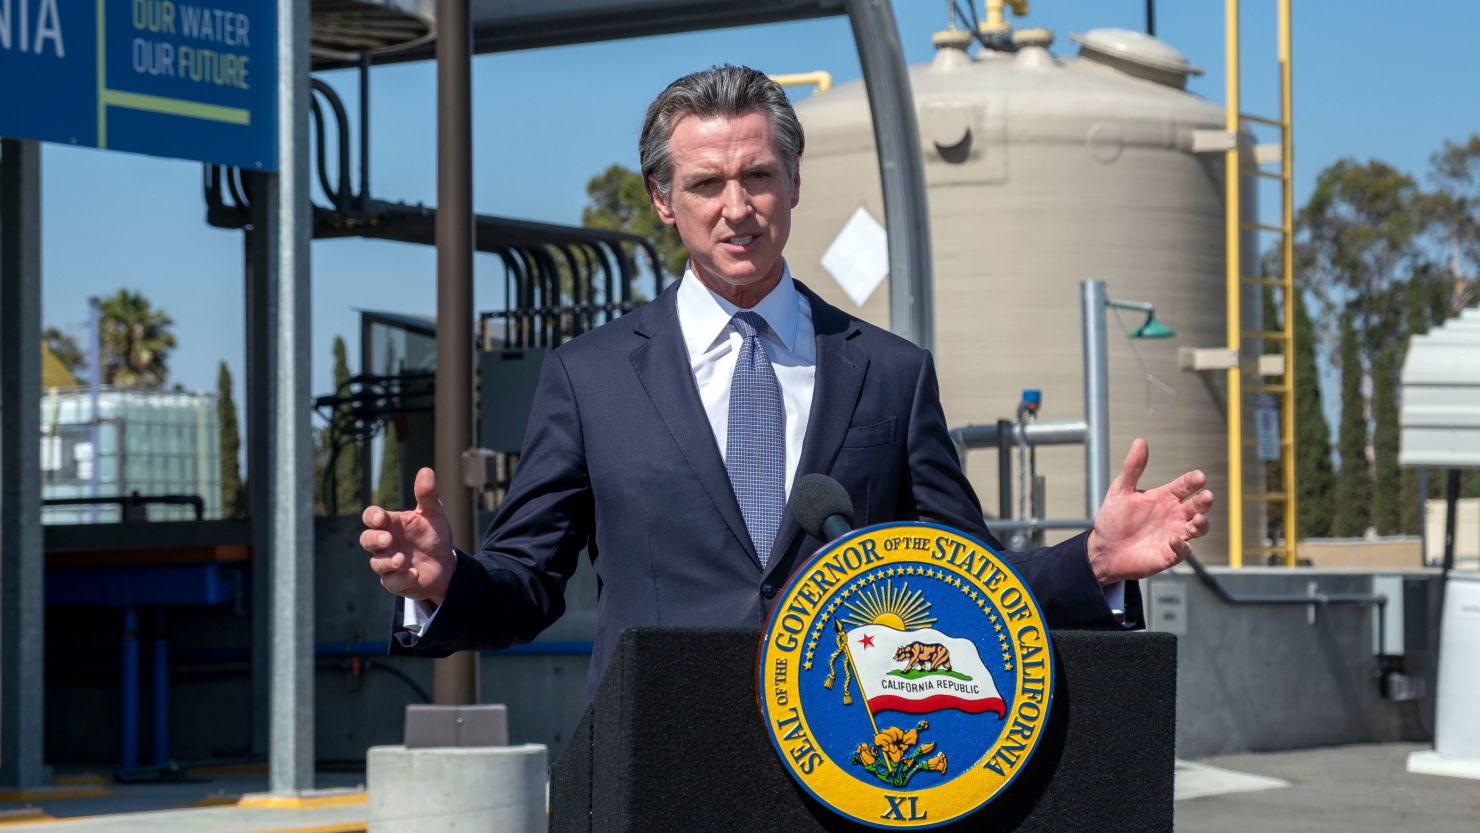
x=822, y=506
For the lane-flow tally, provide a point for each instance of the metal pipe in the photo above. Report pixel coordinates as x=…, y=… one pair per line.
x=22, y=616
x=1451, y=504
x=1004, y=469
x=129, y=693
x=94, y=381
x=1035, y=524
x=901, y=169
x=456, y=677
x=1096, y=395
x=1376, y=600
x=365, y=135
x=161, y=692
x=1061, y=432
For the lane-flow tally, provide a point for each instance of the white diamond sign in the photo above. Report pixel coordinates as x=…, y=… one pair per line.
x=858, y=258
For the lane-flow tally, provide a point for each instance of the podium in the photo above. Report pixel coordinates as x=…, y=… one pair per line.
x=655, y=755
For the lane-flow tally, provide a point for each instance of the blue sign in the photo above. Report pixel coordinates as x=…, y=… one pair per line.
x=166, y=78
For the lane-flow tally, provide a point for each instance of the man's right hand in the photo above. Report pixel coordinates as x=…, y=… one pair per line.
x=411, y=551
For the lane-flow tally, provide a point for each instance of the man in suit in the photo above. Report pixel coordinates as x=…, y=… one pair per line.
x=664, y=443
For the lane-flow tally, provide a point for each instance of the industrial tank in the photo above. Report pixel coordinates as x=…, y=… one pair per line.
x=1042, y=172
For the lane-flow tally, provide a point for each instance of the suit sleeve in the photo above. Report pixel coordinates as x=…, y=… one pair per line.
x=514, y=586
x=1059, y=576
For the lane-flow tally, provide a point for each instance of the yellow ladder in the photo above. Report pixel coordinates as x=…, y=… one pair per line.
x=1284, y=389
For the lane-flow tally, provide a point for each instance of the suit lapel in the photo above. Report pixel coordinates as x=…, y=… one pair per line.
x=841, y=367
x=662, y=366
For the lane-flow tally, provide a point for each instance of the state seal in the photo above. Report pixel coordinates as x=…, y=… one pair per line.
x=905, y=675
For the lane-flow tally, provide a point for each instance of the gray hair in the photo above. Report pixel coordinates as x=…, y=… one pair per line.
x=717, y=91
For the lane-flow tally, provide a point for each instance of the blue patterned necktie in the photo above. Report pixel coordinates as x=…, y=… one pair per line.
x=755, y=445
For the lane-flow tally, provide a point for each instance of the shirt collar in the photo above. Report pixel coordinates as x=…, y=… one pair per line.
x=704, y=315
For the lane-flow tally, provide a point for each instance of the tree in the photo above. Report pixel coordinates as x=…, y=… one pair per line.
x=1453, y=210
x=620, y=202
x=233, y=491
x=1354, y=481
x=344, y=498
x=1314, y=479
x=1361, y=227
x=135, y=341
x=66, y=349
x=388, y=490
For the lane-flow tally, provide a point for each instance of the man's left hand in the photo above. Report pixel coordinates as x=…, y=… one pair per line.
x=1139, y=534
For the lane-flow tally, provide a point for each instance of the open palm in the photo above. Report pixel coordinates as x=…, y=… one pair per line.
x=1138, y=534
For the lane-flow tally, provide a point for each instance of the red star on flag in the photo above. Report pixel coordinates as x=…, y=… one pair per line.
x=867, y=640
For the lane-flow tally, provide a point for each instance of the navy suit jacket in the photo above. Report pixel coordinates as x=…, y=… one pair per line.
x=620, y=461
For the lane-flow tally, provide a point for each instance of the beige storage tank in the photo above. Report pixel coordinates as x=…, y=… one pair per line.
x=1043, y=172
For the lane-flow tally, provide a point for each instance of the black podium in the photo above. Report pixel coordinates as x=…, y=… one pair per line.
x=656, y=757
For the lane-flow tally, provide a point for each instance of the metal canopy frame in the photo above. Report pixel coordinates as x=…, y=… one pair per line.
x=509, y=25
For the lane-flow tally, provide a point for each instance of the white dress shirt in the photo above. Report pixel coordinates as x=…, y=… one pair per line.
x=714, y=345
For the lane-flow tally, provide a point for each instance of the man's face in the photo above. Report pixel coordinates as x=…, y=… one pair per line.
x=731, y=198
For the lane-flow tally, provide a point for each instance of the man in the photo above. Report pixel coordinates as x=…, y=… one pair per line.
x=665, y=442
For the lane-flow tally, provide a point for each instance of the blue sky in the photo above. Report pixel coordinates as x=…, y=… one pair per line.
x=1372, y=79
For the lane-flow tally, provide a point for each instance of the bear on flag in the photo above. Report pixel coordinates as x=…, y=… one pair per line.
x=920, y=671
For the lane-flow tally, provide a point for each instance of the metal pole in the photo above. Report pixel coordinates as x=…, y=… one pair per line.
x=1287, y=254
x=257, y=257
x=1151, y=18
x=22, y=619
x=456, y=677
x=901, y=170
x=290, y=513
x=161, y=692
x=1096, y=395
x=1451, y=505
x=1232, y=242
x=94, y=381
x=129, y=714
x=1004, y=469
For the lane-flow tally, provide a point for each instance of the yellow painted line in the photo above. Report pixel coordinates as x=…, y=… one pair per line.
x=176, y=107
x=338, y=827
x=102, y=77
x=220, y=800
x=28, y=815
x=304, y=802
x=54, y=793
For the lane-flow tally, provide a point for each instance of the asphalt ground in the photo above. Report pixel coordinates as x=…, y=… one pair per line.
x=1351, y=789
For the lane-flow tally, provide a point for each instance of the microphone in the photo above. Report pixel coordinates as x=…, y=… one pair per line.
x=822, y=507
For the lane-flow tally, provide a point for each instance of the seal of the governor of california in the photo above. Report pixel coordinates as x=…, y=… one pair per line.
x=905, y=675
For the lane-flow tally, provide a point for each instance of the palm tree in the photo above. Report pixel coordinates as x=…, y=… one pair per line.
x=136, y=341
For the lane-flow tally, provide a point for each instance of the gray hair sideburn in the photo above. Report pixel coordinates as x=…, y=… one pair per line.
x=718, y=91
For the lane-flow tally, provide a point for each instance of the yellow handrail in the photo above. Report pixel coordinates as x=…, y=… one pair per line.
x=822, y=79
x=1232, y=241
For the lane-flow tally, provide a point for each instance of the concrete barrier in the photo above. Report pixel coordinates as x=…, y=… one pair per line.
x=457, y=789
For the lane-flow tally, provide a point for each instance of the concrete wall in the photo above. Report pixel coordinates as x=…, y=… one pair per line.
x=1249, y=678
x=361, y=693
x=1264, y=678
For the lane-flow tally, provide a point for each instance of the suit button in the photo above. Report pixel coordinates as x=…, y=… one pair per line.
x=768, y=590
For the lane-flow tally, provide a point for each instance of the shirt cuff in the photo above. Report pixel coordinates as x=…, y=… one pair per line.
x=417, y=617
x=1114, y=598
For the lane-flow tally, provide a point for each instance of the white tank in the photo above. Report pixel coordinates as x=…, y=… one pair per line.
x=1043, y=172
